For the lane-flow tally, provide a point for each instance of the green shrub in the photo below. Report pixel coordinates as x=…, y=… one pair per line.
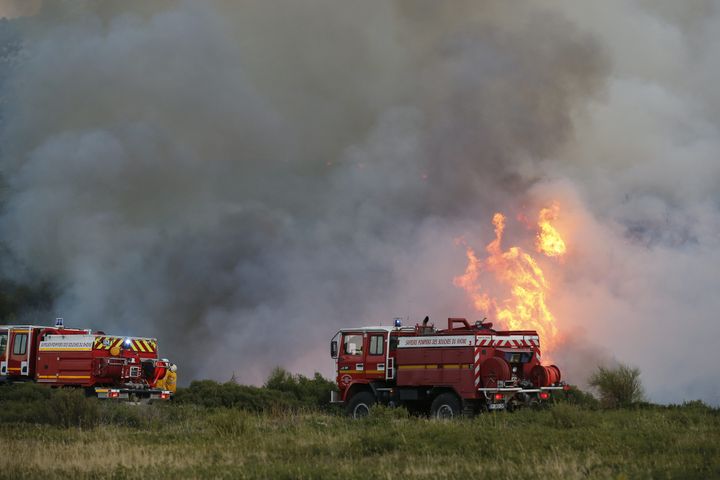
x=697, y=406
x=71, y=408
x=282, y=391
x=575, y=396
x=24, y=392
x=68, y=407
x=122, y=414
x=619, y=386
x=24, y=403
x=310, y=392
x=209, y=393
x=20, y=412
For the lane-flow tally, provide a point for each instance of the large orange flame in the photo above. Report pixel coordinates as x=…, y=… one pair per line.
x=548, y=240
x=524, y=305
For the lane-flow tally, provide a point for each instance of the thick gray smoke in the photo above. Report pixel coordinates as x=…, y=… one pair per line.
x=241, y=179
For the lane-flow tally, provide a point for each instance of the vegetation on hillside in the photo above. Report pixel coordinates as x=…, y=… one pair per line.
x=189, y=440
x=282, y=391
x=284, y=429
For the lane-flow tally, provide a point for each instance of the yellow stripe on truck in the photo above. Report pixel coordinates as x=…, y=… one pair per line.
x=445, y=366
x=351, y=372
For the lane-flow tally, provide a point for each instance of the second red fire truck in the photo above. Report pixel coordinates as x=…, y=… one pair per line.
x=463, y=369
x=109, y=366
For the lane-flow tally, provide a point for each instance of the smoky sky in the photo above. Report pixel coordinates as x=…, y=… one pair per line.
x=242, y=179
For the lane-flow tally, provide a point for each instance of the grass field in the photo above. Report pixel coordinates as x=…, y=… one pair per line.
x=191, y=441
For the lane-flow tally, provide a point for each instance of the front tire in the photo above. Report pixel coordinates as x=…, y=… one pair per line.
x=446, y=406
x=360, y=404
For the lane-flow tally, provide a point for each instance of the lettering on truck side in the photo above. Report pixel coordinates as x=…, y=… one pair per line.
x=437, y=341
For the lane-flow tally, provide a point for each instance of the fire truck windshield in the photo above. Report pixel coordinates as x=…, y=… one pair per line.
x=353, y=344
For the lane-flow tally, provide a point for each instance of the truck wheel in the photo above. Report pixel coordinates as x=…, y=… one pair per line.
x=360, y=403
x=445, y=406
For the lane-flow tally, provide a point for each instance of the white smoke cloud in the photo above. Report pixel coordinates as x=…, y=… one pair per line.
x=243, y=179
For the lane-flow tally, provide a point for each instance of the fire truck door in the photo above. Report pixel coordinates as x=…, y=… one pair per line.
x=375, y=355
x=3, y=352
x=351, y=357
x=19, y=352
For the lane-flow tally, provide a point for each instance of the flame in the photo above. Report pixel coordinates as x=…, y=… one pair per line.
x=524, y=305
x=548, y=240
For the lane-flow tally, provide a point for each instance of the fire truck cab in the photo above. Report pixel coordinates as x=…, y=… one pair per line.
x=462, y=369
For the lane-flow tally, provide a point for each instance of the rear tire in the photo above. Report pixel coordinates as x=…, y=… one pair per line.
x=360, y=404
x=446, y=406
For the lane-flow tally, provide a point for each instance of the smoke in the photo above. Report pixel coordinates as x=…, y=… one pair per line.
x=18, y=8
x=243, y=179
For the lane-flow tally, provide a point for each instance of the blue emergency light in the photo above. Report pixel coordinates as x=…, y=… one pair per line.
x=398, y=322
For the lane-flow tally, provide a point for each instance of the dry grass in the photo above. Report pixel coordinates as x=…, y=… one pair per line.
x=228, y=443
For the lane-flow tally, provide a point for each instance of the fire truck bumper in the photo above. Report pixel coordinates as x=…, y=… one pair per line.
x=513, y=390
x=499, y=398
x=335, y=397
x=126, y=393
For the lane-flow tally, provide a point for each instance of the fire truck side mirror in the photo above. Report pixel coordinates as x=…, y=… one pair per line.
x=334, y=349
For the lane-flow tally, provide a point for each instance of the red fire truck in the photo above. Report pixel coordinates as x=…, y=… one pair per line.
x=462, y=369
x=108, y=366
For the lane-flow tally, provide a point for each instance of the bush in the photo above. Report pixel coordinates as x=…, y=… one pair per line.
x=71, y=408
x=310, y=392
x=575, y=396
x=619, y=386
x=68, y=407
x=282, y=391
x=125, y=415
x=209, y=393
x=19, y=404
x=24, y=393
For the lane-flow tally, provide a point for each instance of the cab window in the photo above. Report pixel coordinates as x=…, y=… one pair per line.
x=20, y=344
x=377, y=345
x=3, y=344
x=353, y=345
